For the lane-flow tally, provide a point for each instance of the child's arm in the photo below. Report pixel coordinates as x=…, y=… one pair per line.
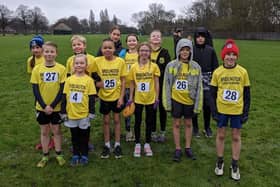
x=38, y=96
x=246, y=106
x=157, y=87
x=91, y=104
x=120, y=101
x=131, y=90
x=63, y=114
x=213, y=104
x=58, y=96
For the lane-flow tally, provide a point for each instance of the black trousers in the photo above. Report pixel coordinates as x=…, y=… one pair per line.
x=149, y=120
x=206, y=113
x=80, y=138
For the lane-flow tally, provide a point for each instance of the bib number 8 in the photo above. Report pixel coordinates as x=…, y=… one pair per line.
x=231, y=95
x=143, y=87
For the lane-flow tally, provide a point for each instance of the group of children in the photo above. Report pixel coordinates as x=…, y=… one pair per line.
x=142, y=75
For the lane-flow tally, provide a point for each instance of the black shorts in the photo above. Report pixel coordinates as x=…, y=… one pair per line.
x=178, y=110
x=44, y=119
x=107, y=106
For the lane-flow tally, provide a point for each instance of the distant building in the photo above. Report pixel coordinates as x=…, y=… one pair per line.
x=62, y=28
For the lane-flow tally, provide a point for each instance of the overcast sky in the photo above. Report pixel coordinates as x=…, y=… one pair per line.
x=123, y=9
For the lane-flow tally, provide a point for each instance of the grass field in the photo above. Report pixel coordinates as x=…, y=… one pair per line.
x=19, y=132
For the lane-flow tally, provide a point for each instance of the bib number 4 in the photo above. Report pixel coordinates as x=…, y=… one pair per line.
x=76, y=97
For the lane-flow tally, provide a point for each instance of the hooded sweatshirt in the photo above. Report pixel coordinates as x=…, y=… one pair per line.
x=194, y=78
x=205, y=56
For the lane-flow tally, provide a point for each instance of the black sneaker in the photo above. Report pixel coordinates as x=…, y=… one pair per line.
x=106, y=152
x=195, y=133
x=177, y=155
x=208, y=133
x=118, y=152
x=190, y=154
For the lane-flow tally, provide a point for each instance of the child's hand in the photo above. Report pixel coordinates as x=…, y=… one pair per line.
x=244, y=118
x=156, y=104
x=215, y=116
x=120, y=103
x=129, y=102
x=64, y=117
x=48, y=110
x=91, y=116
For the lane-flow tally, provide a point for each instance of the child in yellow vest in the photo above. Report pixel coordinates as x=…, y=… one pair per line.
x=110, y=72
x=47, y=80
x=230, y=87
x=78, y=108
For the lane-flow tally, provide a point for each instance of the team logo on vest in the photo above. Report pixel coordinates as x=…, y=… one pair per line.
x=161, y=60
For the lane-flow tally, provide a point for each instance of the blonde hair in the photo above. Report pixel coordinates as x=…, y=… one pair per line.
x=144, y=44
x=80, y=38
x=80, y=56
x=50, y=43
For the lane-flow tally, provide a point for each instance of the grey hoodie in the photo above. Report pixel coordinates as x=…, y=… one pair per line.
x=194, y=78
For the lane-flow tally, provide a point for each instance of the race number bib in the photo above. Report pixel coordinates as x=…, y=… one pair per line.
x=181, y=85
x=231, y=95
x=110, y=83
x=76, y=97
x=143, y=87
x=50, y=77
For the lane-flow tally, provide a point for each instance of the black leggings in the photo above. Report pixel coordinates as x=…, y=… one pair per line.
x=150, y=118
x=206, y=117
x=80, y=138
x=162, y=118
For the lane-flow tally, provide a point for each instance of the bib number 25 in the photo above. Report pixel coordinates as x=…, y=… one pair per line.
x=110, y=83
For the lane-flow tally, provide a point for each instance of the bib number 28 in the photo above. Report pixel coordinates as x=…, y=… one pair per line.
x=231, y=95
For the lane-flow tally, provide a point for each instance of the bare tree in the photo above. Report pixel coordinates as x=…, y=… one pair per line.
x=38, y=20
x=84, y=26
x=154, y=18
x=105, y=23
x=92, y=22
x=5, y=18
x=24, y=15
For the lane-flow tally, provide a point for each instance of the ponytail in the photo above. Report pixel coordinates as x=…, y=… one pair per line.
x=32, y=62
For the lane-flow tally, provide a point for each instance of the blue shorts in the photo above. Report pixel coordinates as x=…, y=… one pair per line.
x=235, y=121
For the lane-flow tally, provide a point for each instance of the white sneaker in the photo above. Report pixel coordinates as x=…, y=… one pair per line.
x=147, y=149
x=137, y=151
x=129, y=136
x=235, y=174
x=219, y=170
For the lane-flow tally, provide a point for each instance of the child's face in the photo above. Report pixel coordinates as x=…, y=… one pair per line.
x=115, y=35
x=184, y=53
x=230, y=59
x=200, y=40
x=155, y=37
x=78, y=47
x=132, y=42
x=37, y=51
x=144, y=52
x=80, y=65
x=49, y=53
x=108, y=49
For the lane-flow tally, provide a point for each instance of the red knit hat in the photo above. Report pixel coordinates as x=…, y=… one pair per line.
x=229, y=46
